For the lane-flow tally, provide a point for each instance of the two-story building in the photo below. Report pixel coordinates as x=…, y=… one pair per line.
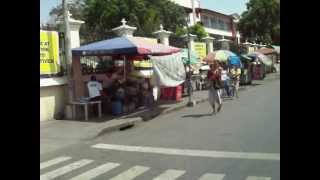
x=216, y=24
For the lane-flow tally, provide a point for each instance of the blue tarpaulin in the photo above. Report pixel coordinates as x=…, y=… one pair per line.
x=234, y=60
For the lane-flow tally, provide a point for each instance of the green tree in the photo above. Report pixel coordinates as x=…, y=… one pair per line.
x=198, y=30
x=261, y=20
x=103, y=15
x=75, y=8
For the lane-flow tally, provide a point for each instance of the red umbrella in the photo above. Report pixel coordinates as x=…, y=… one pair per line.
x=266, y=51
x=209, y=58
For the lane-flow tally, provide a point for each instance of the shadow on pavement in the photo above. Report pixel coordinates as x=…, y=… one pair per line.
x=147, y=114
x=255, y=84
x=197, y=115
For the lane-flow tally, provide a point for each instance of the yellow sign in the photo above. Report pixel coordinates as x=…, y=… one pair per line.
x=200, y=49
x=142, y=64
x=49, y=52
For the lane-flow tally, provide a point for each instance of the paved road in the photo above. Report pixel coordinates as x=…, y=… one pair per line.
x=240, y=143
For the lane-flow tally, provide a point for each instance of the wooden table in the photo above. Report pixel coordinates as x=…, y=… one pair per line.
x=85, y=105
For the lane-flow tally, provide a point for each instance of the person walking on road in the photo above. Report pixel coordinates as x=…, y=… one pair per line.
x=214, y=77
x=225, y=79
x=235, y=75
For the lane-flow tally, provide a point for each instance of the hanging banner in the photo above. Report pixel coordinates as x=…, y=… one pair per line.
x=49, y=52
x=200, y=49
x=168, y=70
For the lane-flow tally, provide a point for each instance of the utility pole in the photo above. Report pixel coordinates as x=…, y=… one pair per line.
x=68, y=55
x=190, y=103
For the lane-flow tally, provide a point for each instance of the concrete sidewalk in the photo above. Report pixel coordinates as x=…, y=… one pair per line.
x=86, y=130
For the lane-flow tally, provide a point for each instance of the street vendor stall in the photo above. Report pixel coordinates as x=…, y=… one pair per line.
x=121, y=54
x=246, y=76
x=261, y=64
x=272, y=54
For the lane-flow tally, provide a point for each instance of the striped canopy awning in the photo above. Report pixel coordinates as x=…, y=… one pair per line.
x=124, y=46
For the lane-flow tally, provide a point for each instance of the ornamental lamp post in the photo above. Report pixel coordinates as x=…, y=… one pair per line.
x=190, y=102
x=68, y=54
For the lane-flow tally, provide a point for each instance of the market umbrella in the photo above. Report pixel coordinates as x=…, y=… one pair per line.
x=276, y=48
x=209, y=58
x=223, y=55
x=246, y=58
x=123, y=46
x=266, y=51
x=263, y=58
x=234, y=60
x=194, y=58
x=219, y=55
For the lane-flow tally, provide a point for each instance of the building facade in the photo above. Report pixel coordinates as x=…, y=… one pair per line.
x=217, y=25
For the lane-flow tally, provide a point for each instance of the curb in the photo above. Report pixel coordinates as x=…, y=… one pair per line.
x=170, y=110
x=122, y=122
x=116, y=124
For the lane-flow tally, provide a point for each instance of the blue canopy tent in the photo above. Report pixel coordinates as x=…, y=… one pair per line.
x=121, y=46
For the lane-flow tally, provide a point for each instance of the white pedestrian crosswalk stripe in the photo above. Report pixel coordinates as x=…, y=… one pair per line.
x=170, y=174
x=210, y=176
x=257, y=178
x=96, y=171
x=131, y=173
x=65, y=169
x=190, y=152
x=53, y=162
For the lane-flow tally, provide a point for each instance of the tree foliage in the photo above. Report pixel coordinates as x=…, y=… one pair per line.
x=75, y=7
x=198, y=30
x=101, y=16
x=261, y=20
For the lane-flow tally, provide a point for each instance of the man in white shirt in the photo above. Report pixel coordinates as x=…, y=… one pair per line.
x=94, y=88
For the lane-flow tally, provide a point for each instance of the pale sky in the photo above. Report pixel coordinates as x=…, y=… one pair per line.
x=223, y=6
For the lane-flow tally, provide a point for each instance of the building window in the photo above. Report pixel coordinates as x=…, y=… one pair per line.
x=226, y=26
x=206, y=21
x=214, y=23
x=221, y=24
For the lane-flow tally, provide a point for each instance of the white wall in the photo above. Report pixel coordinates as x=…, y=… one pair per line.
x=218, y=32
x=53, y=97
x=188, y=4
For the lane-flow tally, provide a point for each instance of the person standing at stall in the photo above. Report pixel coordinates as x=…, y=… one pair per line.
x=147, y=97
x=214, y=78
x=95, y=89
